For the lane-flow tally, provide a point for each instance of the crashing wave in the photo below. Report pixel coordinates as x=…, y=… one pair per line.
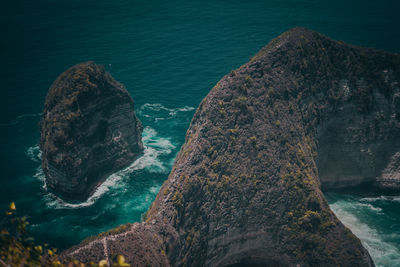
x=163, y=113
x=154, y=147
x=34, y=153
x=382, y=252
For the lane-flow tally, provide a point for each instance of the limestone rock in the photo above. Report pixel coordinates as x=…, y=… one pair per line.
x=89, y=130
x=245, y=188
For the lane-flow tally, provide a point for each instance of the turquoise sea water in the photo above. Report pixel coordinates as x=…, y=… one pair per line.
x=169, y=54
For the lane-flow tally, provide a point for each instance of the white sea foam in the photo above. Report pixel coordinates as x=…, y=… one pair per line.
x=158, y=107
x=381, y=198
x=154, y=146
x=383, y=253
x=154, y=189
x=174, y=111
x=58, y=203
x=186, y=108
x=370, y=207
x=39, y=174
x=34, y=153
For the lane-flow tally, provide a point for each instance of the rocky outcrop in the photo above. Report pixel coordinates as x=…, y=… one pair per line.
x=389, y=180
x=245, y=189
x=88, y=130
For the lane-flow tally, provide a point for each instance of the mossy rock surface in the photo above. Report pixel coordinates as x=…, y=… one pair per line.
x=246, y=185
x=88, y=131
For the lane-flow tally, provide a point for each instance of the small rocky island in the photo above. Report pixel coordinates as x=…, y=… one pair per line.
x=305, y=113
x=89, y=130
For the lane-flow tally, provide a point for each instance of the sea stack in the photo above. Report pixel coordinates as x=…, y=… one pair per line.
x=246, y=186
x=88, y=131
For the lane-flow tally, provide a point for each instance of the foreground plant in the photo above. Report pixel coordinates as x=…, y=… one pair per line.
x=17, y=247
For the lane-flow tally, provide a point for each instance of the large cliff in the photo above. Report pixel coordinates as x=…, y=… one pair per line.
x=88, y=130
x=245, y=189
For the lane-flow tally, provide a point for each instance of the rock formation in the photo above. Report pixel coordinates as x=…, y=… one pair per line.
x=88, y=130
x=245, y=189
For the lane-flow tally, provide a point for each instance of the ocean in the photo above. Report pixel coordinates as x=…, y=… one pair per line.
x=168, y=54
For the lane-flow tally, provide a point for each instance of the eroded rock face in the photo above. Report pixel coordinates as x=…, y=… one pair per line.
x=359, y=142
x=89, y=130
x=246, y=185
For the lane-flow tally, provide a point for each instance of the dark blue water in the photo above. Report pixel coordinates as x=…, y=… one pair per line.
x=168, y=54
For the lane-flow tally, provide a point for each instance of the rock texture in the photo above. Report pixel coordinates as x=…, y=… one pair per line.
x=245, y=189
x=89, y=130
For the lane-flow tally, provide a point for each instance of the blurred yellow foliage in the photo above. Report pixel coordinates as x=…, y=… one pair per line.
x=18, y=249
x=12, y=206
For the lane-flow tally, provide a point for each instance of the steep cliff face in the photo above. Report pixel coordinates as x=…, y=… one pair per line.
x=88, y=130
x=245, y=189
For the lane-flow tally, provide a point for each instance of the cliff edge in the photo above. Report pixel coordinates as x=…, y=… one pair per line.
x=245, y=190
x=88, y=130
